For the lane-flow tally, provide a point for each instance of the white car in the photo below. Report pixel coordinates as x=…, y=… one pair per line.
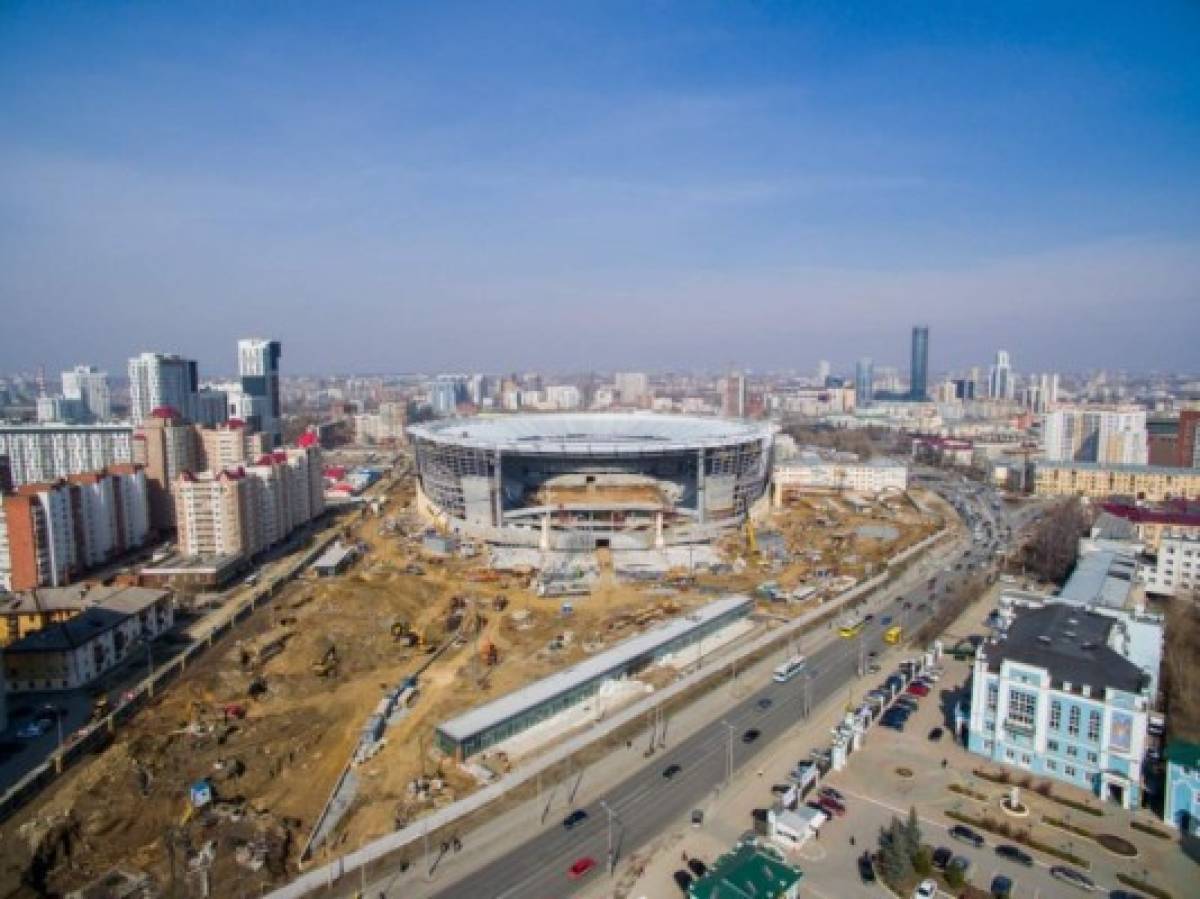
x=926, y=889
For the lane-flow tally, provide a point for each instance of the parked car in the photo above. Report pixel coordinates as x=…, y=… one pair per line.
x=831, y=806
x=780, y=789
x=941, y=857
x=918, y=689
x=866, y=868
x=964, y=834
x=580, y=867
x=935, y=734
x=1002, y=887
x=751, y=735
x=832, y=794
x=683, y=880
x=963, y=864
x=575, y=818
x=765, y=703
x=1015, y=854
x=1073, y=877
x=697, y=817
x=697, y=867
x=671, y=770
x=926, y=889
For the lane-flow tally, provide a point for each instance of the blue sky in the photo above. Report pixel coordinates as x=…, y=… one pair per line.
x=390, y=187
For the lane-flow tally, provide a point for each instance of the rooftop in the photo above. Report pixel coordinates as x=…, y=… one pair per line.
x=1123, y=468
x=1102, y=578
x=483, y=717
x=1179, y=513
x=117, y=607
x=747, y=871
x=630, y=432
x=1071, y=644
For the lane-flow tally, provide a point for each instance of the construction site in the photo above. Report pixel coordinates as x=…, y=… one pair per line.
x=311, y=729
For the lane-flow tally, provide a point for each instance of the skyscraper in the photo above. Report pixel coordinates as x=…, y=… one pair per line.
x=919, y=367
x=160, y=379
x=1000, y=381
x=258, y=368
x=88, y=386
x=864, y=382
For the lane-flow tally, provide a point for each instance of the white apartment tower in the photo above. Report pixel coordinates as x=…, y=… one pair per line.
x=88, y=386
x=160, y=379
x=1000, y=380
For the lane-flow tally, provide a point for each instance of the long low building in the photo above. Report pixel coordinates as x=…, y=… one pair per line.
x=1149, y=483
x=873, y=476
x=489, y=724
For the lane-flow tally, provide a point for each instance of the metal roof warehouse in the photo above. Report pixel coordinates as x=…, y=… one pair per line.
x=496, y=721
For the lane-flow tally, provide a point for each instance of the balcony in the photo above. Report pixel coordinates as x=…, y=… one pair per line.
x=1021, y=728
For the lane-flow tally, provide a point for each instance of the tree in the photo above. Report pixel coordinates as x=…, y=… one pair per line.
x=1054, y=546
x=911, y=834
x=895, y=864
x=954, y=877
x=923, y=862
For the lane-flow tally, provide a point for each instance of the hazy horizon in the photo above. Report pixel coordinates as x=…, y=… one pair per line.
x=665, y=186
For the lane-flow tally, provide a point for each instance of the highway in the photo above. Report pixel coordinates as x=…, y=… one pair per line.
x=646, y=803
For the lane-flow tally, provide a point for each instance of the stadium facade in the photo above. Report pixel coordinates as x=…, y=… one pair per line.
x=584, y=481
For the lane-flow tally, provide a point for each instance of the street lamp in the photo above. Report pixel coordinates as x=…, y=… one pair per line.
x=729, y=756
x=612, y=859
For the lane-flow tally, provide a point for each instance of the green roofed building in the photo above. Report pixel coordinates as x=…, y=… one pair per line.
x=748, y=872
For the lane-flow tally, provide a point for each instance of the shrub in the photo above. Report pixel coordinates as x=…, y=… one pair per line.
x=954, y=877
x=923, y=862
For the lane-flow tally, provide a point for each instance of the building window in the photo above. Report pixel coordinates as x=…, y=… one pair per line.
x=993, y=697
x=1093, y=727
x=1051, y=765
x=1052, y=745
x=1092, y=758
x=1021, y=708
x=1056, y=715
x=1073, y=751
x=1069, y=770
x=1073, y=721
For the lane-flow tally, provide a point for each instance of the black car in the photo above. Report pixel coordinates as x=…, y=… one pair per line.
x=966, y=835
x=866, y=869
x=671, y=770
x=765, y=703
x=751, y=735
x=935, y=734
x=683, y=880
x=941, y=857
x=697, y=867
x=1015, y=854
x=1073, y=877
x=576, y=817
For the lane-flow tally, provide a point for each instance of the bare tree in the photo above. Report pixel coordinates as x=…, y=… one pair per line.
x=1054, y=546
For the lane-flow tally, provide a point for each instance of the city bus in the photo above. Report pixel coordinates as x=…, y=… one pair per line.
x=789, y=669
x=852, y=627
x=892, y=634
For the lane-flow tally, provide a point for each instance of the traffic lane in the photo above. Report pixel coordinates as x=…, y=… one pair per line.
x=704, y=762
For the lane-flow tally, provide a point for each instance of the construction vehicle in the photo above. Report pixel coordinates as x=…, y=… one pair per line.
x=326, y=664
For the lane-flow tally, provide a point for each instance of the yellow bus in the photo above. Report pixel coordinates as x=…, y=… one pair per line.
x=851, y=628
x=892, y=634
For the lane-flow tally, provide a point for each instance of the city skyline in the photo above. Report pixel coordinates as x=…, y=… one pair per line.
x=652, y=190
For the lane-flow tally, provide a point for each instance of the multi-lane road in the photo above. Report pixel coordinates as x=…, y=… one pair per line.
x=647, y=802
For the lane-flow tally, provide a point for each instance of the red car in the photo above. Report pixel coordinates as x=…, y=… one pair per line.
x=581, y=867
x=831, y=805
x=918, y=690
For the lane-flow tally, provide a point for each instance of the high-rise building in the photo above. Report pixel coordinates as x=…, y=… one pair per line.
x=258, y=368
x=59, y=410
x=632, y=387
x=88, y=386
x=51, y=533
x=1000, y=380
x=864, y=382
x=919, y=365
x=822, y=372
x=733, y=395
x=443, y=397
x=167, y=446
x=1189, y=438
x=158, y=380
x=228, y=445
x=1115, y=436
x=47, y=452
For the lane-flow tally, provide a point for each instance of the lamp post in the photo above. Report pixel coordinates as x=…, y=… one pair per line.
x=729, y=755
x=612, y=859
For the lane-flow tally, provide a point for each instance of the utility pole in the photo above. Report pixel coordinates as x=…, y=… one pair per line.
x=729, y=756
x=612, y=859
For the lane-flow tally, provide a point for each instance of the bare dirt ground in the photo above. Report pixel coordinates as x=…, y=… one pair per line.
x=318, y=661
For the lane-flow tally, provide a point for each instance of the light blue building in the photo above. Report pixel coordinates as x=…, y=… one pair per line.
x=1181, y=802
x=1058, y=696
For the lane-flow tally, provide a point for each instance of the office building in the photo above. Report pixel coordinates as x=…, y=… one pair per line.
x=212, y=407
x=864, y=382
x=47, y=452
x=162, y=380
x=822, y=372
x=1000, y=378
x=733, y=395
x=88, y=386
x=1041, y=393
x=1146, y=483
x=258, y=369
x=919, y=365
x=815, y=475
x=167, y=446
x=1057, y=696
x=443, y=397
x=1115, y=435
x=52, y=533
x=59, y=410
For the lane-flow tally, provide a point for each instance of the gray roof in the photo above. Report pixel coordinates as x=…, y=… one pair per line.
x=484, y=717
x=334, y=556
x=1113, y=527
x=1071, y=644
x=609, y=432
x=1101, y=578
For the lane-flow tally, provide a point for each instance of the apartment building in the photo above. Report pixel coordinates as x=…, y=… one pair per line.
x=1176, y=569
x=1148, y=483
x=46, y=452
x=818, y=475
x=229, y=444
x=1116, y=435
x=52, y=533
x=1150, y=524
x=88, y=386
x=113, y=625
x=30, y=611
x=167, y=446
x=158, y=380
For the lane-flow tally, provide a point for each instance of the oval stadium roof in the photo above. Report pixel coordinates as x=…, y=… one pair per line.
x=629, y=432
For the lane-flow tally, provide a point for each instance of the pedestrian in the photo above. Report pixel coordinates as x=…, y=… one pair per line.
x=683, y=856
x=943, y=763
x=852, y=839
